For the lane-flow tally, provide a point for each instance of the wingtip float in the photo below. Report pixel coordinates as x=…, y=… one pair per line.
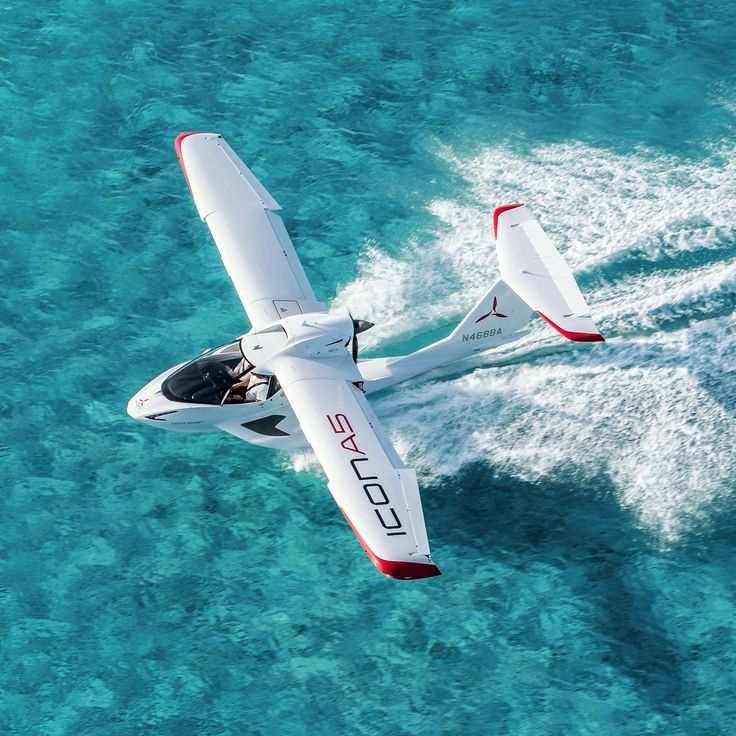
x=295, y=379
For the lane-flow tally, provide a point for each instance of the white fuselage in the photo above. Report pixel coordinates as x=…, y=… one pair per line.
x=271, y=422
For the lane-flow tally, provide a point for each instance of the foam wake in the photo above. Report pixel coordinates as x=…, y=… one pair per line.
x=609, y=214
x=632, y=411
x=651, y=240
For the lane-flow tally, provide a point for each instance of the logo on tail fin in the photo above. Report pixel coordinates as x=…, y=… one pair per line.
x=493, y=312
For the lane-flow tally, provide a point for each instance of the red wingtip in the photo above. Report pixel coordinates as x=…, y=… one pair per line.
x=400, y=570
x=406, y=570
x=181, y=137
x=575, y=336
x=500, y=210
x=177, y=146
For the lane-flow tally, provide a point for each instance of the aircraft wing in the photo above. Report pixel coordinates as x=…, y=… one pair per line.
x=243, y=218
x=377, y=493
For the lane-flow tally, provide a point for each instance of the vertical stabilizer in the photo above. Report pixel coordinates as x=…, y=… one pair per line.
x=500, y=312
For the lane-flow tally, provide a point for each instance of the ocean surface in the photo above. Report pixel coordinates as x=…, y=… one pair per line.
x=579, y=498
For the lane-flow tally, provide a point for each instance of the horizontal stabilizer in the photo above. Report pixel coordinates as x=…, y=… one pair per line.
x=538, y=273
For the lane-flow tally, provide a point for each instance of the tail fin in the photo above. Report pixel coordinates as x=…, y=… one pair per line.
x=536, y=271
x=497, y=315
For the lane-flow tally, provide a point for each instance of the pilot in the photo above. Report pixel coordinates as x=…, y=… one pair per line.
x=253, y=387
x=240, y=374
x=257, y=389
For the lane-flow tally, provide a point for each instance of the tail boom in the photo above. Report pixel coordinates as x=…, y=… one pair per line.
x=496, y=319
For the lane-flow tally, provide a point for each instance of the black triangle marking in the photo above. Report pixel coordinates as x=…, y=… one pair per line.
x=267, y=426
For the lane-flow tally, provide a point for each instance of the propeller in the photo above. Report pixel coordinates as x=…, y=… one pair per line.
x=359, y=325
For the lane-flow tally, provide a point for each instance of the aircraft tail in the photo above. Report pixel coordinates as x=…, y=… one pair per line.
x=534, y=278
x=497, y=315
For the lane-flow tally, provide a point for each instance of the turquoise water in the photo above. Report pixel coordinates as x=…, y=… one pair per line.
x=579, y=499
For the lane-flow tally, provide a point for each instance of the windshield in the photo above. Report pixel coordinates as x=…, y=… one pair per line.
x=206, y=379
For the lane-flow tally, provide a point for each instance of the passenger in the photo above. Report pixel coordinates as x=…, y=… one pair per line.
x=240, y=373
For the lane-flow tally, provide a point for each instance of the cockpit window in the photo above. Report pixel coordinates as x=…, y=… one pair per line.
x=206, y=379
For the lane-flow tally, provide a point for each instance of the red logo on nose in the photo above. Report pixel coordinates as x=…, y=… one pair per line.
x=493, y=312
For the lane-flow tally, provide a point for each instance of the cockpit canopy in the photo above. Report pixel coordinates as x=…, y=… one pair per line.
x=206, y=379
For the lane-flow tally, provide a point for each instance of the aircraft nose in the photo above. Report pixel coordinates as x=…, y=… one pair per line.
x=149, y=399
x=136, y=405
x=140, y=405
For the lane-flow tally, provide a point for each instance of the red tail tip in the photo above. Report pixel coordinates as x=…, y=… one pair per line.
x=575, y=336
x=499, y=211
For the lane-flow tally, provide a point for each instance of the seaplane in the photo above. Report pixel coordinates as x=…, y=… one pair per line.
x=295, y=379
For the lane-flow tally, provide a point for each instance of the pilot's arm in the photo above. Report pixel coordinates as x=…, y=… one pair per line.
x=241, y=372
x=257, y=388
